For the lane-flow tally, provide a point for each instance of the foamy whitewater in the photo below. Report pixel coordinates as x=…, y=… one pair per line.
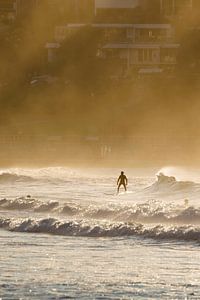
x=65, y=234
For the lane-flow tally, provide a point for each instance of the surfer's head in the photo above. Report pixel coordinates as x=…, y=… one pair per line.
x=122, y=173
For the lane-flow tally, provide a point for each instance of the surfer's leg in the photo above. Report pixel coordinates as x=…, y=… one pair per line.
x=118, y=188
x=124, y=186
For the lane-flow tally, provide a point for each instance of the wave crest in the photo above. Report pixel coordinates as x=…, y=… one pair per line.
x=28, y=203
x=81, y=228
x=12, y=177
x=166, y=184
x=148, y=212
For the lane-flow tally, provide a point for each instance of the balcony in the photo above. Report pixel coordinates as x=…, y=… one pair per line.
x=154, y=39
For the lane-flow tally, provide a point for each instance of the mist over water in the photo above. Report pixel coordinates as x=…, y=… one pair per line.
x=81, y=112
x=70, y=121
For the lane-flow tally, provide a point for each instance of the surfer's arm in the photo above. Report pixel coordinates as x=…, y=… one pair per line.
x=118, y=180
x=126, y=181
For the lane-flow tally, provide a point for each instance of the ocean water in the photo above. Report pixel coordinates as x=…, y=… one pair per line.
x=65, y=234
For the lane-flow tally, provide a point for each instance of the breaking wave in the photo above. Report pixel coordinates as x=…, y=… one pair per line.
x=50, y=174
x=28, y=203
x=148, y=212
x=166, y=184
x=12, y=177
x=85, y=229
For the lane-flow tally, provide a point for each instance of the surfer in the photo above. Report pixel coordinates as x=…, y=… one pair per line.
x=122, y=180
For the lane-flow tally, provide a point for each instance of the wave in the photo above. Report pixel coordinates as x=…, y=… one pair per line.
x=166, y=184
x=85, y=229
x=57, y=174
x=28, y=203
x=12, y=177
x=148, y=212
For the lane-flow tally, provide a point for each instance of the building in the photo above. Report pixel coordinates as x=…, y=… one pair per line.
x=73, y=10
x=118, y=10
x=8, y=9
x=18, y=9
x=139, y=36
x=174, y=8
x=85, y=10
x=143, y=48
x=7, y=6
x=102, y=5
x=149, y=48
x=24, y=7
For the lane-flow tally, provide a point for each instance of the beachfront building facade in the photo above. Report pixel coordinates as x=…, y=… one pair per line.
x=149, y=48
x=17, y=8
x=142, y=48
x=24, y=7
x=118, y=10
x=174, y=8
x=116, y=4
x=132, y=39
x=169, y=9
x=8, y=9
x=73, y=10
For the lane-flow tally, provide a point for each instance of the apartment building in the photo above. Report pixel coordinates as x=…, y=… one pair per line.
x=148, y=48
x=73, y=10
x=13, y=9
x=142, y=47
x=161, y=8
x=8, y=9
x=102, y=5
x=7, y=5
x=174, y=8
x=24, y=7
x=84, y=10
x=118, y=10
x=167, y=7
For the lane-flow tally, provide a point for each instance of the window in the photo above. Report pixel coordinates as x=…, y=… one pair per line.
x=140, y=55
x=146, y=55
x=168, y=55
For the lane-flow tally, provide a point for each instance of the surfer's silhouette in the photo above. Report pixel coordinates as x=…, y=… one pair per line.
x=122, y=180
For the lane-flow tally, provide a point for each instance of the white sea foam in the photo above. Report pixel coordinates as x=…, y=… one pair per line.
x=78, y=231
x=164, y=184
x=148, y=212
x=169, y=184
x=145, y=211
x=101, y=229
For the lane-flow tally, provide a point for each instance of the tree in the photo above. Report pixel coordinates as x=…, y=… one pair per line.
x=78, y=60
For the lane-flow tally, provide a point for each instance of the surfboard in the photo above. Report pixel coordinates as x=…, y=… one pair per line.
x=110, y=194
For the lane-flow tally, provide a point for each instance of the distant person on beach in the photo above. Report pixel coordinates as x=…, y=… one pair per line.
x=122, y=180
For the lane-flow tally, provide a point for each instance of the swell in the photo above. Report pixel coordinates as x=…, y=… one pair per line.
x=86, y=229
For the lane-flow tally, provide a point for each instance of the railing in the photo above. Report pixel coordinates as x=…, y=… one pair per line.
x=154, y=39
x=148, y=40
